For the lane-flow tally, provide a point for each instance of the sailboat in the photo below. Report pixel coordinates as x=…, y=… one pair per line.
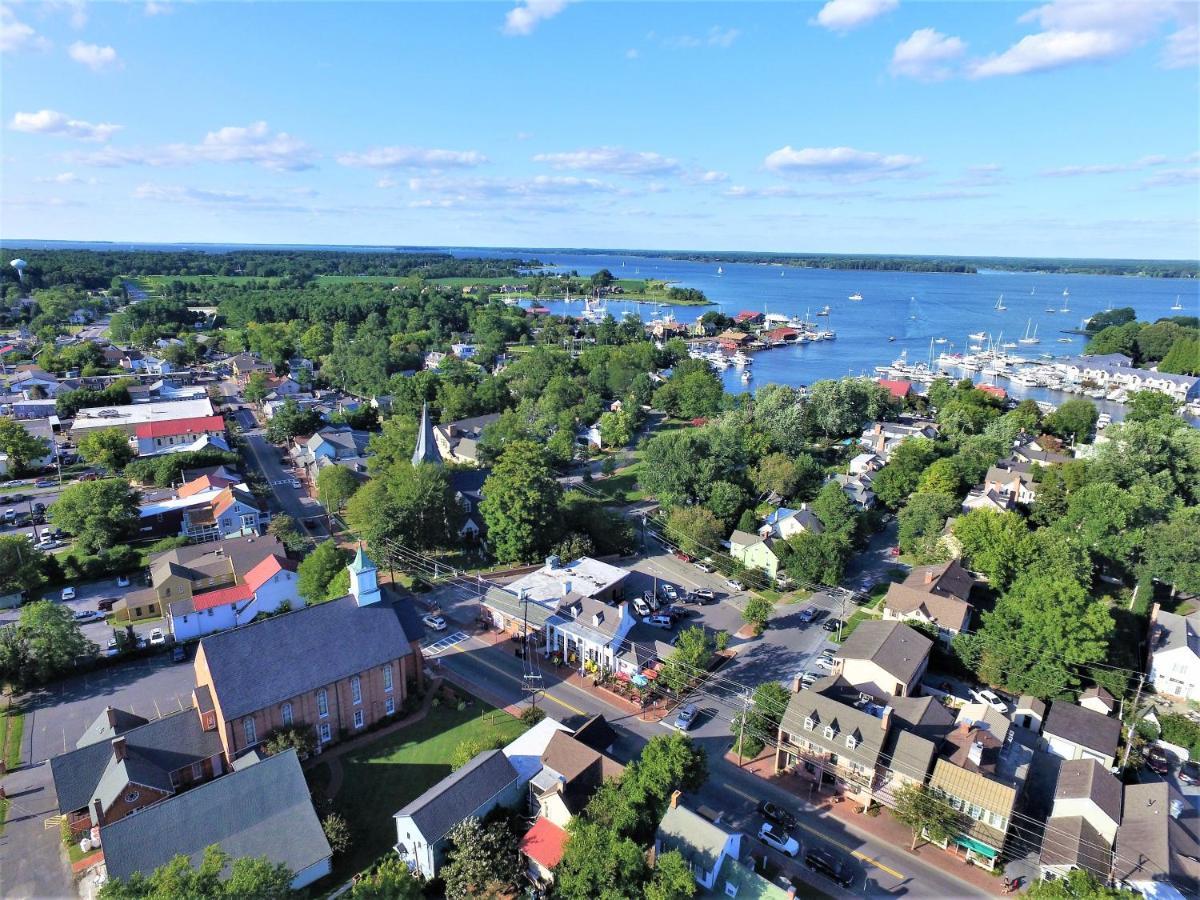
x=1030, y=338
x=1178, y=306
x=1000, y=304
x=856, y=296
x=978, y=336
x=1066, y=307
x=781, y=273
x=720, y=271
x=939, y=340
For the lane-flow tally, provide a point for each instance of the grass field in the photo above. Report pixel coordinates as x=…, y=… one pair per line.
x=378, y=279
x=383, y=776
x=153, y=282
x=12, y=724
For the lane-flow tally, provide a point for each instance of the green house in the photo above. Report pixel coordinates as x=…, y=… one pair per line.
x=754, y=552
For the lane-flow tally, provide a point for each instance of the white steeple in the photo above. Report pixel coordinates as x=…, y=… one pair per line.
x=364, y=579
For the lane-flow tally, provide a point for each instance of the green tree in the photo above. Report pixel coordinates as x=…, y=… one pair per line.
x=106, y=447
x=1183, y=358
x=775, y=474
x=942, y=477
x=1146, y=406
x=23, y=448
x=690, y=658
x=835, y=510
x=256, y=388
x=841, y=407
x=290, y=421
x=1172, y=551
x=301, y=738
x=763, y=716
x=318, y=570
x=335, y=486
x=248, y=876
x=1115, y=339
x=20, y=565
x=695, y=529
x=818, y=558
x=1073, y=420
x=921, y=523
x=42, y=644
x=1078, y=885
x=757, y=612
x=616, y=428
x=925, y=813
x=726, y=500
x=337, y=832
x=412, y=505
x=390, y=879
x=599, y=864
x=285, y=529
x=991, y=543
x=99, y=513
x=900, y=477
x=481, y=862
x=522, y=503
x=672, y=878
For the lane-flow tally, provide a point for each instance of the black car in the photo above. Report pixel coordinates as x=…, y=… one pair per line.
x=1189, y=772
x=825, y=863
x=777, y=814
x=831, y=624
x=178, y=653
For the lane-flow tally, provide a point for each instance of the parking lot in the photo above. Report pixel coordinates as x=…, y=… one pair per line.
x=87, y=597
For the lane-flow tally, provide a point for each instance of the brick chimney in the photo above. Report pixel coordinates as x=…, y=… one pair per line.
x=98, y=811
x=118, y=748
x=797, y=684
x=111, y=714
x=886, y=719
x=675, y=795
x=929, y=576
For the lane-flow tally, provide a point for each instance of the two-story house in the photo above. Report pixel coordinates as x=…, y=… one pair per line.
x=587, y=633
x=338, y=666
x=537, y=595
x=1083, y=822
x=1157, y=851
x=881, y=438
x=153, y=438
x=1175, y=654
x=1072, y=731
x=784, y=523
x=884, y=659
x=246, y=364
x=268, y=587
x=936, y=595
x=1011, y=479
x=202, y=513
x=754, y=552
x=458, y=442
x=704, y=844
x=333, y=445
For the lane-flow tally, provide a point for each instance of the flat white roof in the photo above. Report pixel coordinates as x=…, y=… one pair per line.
x=140, y=413
x=585, y=576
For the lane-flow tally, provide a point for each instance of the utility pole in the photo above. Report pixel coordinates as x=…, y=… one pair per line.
x=742, y=726
x=1129, y=734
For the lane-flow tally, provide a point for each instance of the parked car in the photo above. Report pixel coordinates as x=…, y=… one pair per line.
x=1189, y=772
x=704, y=596
x=675, y=612
x=641, y=607
x=68, y=593
x=178, y=653
x=44, y=482
x=46, y=535
x=437, y=623
x=1157, y=760
x=10, y=515
x=157, y=637
x=122, y=581
x=777, y=814
x=112, y=649
x=659, y=621
x=686, y=717
x=668, y=591
x=824, y=662
x=775, y=837
x=651, y=600
x=825, y=863
x=735, y=585
x=808, y=614
x=86, y=615
x=702, y=566
x=832, y=624
x=991, y=699
x=683, y=557
x=106, y=604
x=893, y=551
x=808, y=679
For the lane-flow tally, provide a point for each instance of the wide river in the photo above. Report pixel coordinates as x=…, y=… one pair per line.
x=911, y=307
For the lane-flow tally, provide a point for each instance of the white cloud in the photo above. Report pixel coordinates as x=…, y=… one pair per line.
x=48, y=121
x=93, y=56
x=412, y=158
x=714, y=37
x=927, y=55
x=843, y=15
x=156, y=7
x=1079, y=31
x=611, y=160
x=786, y=192
x=64, y=178
x=386, y=183
x=631, y=53
x=1182, y=50
x=513, y=187
x=523, y=18
x=169, y=193
x=982, y=175
x=1105, y=168
x=714, y=177
x=16, y=35
x=254, y=143
x=840, y=163
x=1172, y=178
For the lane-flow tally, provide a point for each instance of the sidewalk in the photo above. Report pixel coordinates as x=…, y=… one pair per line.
x=882, y=827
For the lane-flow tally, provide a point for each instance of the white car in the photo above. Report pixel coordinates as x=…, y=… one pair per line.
x=824, y=662
x=296, y=483
x=157, y=637
x=775, y=837
x=735, y=585
x=68, y=593
x=991, y=699
x=437, y=623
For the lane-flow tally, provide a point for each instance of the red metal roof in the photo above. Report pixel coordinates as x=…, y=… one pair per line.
x=544, y=843
x=267, y=569
x=196, y=425
x=898, y=389
x=222, y=597
x=994, y=389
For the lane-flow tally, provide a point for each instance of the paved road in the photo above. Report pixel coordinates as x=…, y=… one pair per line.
x=497, y=675
x=290, y=500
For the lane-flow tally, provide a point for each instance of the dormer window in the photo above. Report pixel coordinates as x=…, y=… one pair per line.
x=851, y=741
x=828, y=732
x=808, y=724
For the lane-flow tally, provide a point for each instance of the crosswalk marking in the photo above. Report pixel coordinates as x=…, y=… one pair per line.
x=444, y=644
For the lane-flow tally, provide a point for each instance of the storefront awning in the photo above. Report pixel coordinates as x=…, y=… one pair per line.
x=977, y=846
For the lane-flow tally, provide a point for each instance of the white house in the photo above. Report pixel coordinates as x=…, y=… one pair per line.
x=265, y=589
x=1011, y=479
x=864, y=463
x=588, y=633
x=1175, y=654
x=703, y=843
x=784, y=523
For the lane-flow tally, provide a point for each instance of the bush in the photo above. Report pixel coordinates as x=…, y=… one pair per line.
x=532, y=715
x=1179, y=729
x=337, y=832
x=301, y=737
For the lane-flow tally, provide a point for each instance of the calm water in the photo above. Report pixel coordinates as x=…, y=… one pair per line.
x=913, y=307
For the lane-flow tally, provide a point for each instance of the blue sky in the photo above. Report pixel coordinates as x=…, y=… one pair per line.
x=1061, y=128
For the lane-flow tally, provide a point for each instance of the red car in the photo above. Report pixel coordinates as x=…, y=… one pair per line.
x=1157, y=760
x=683, y=557
x=894, y=551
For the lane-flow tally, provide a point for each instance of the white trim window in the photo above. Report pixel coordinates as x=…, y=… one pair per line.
x=358, y=718
x=324, y=733
x=387, y=678
x=285, y=713
x=323, y=703
x=356, y=690
x=251, y=735
x=390, y=705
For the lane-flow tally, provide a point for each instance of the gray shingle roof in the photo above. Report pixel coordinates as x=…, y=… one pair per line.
x=153, y=751
x=261, y=810
x=1085, y=727
x=103, y=730
x=1153, y=845
x=697, y=839
x=1086, y=779
x=459, y=794
x=893, y=646
x=1073, y=841
x=831, y=703
x=266, y=662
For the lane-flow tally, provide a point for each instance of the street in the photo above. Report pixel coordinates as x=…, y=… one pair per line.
x=305, y=510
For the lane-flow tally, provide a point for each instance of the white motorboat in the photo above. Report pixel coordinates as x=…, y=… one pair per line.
x=1009, y=345
x=856, y=296
x=825, y=310
x=978, y=336
x=939, y=340
x=746, y=376
x=1066, y=340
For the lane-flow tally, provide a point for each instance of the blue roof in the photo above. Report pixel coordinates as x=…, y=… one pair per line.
x=779, y=515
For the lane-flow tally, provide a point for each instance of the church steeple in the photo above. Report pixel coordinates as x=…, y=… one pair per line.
x=427, y=448
x=364, y=579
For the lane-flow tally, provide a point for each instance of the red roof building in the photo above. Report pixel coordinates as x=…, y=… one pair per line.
x=899, y=389
x=782, y=334
x=544, y=843
x=181, y=427
x=746, y=316
x=994, y=389
x=266, y=569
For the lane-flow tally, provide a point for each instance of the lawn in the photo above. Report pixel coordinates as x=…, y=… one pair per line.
x=383, y=776
x=620, y=487
x=4, y=804
x=12, y=724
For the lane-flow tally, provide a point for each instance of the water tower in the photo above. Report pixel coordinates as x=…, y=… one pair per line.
x=19, y=265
